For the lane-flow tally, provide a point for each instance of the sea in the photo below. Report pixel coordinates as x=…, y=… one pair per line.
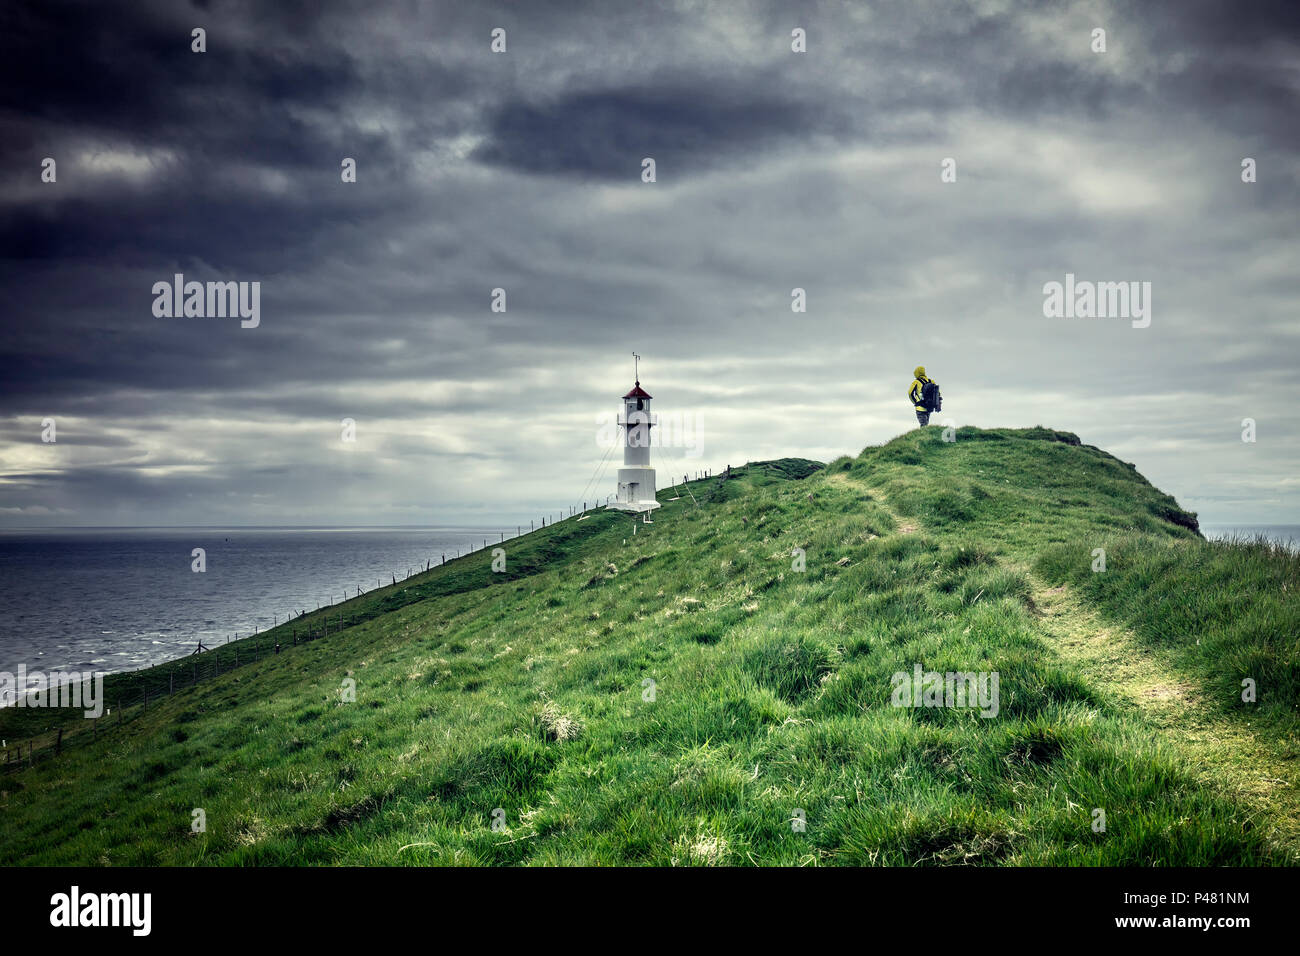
x=119, y=599
x=1287, y=535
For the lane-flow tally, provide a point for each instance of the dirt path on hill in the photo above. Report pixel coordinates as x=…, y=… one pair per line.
x=1221, y=750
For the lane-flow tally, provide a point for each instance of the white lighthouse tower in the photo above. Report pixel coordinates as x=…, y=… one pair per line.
x=636, y=479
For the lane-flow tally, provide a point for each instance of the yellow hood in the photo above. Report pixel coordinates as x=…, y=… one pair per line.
x=919, y=371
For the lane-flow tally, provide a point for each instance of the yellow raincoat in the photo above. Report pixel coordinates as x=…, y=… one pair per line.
x=914, y=393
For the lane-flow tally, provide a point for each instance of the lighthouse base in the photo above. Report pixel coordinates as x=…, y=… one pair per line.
x=633, y=505
x=636, y=490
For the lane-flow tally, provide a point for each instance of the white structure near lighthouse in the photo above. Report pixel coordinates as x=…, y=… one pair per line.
x=636, y=479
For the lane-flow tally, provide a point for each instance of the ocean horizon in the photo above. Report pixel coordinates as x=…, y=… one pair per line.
x=121, y=598
x=1287, y=535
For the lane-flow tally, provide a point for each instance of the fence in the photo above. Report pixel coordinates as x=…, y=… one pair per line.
x=132, y=692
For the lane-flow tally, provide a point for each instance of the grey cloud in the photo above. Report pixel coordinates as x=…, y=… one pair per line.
x=605, y=134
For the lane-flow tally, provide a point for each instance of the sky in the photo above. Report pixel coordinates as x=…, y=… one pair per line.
x=774, y=170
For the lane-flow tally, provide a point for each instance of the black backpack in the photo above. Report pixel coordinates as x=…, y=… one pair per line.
x=930, y=397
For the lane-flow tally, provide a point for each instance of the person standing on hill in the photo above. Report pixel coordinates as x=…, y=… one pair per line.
x=924, y=395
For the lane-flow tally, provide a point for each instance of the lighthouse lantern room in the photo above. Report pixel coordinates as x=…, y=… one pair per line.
x=636, y=479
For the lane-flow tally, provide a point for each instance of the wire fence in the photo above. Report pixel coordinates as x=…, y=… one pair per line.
x=133, y=693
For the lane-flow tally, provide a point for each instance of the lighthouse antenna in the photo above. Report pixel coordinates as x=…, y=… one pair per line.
x=636, y=368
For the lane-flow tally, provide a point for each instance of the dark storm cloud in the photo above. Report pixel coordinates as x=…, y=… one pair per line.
x=105, y=76
x=1235, y=62
x=604, y=133
x=522, y=171
x=127, y=68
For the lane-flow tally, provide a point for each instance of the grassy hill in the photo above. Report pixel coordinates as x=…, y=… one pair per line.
x=683, y=693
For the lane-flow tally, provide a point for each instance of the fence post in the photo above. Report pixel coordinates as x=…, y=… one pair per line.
x=58, y=744
x=171, y=683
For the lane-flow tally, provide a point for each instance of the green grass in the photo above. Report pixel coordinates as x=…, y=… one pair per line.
x=682, y=694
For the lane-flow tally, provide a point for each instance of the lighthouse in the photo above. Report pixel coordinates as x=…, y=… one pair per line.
x=636, y=479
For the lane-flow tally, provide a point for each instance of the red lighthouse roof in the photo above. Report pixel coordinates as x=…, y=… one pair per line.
x=638, y=392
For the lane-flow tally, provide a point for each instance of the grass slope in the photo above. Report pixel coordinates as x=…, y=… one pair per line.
x=526, y=697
